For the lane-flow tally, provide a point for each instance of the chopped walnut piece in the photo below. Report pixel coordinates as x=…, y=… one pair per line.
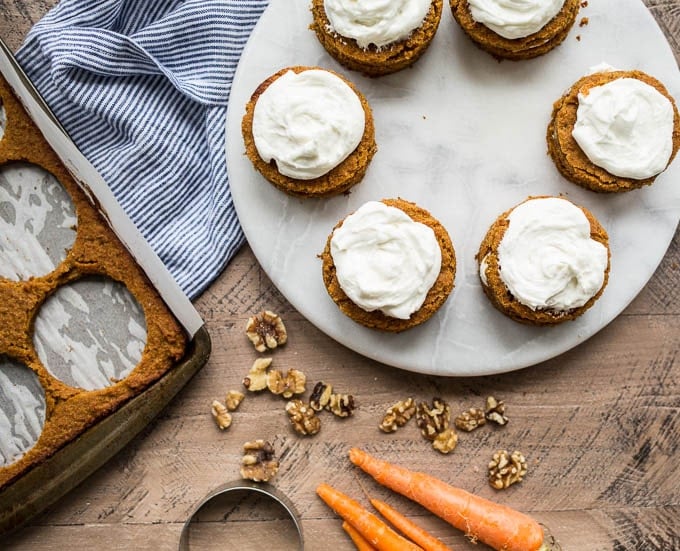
x=341, y=405
x=303, y=418
x=506, y=469
x=266, y=330
x=257, y=376
x=233, y=399
x=495, y=411
x=470, y=420
x=220, y=414
x=433, y=419
x=259, y=462
x=321, y=396
x=445, y=441
x=397, y=415
x=292, y=383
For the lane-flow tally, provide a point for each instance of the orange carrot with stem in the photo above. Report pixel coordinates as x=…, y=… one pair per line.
x=359, y=541
x=410, y=529
x=374, y=530
x=499, y=526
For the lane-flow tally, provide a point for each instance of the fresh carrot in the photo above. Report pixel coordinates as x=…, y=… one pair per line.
x=359, y=541
x=499, y=526
x=374, y=530
x=409, y=528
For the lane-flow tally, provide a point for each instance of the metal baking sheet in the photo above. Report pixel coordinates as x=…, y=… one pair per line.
x=95, y=319
x=48, y=482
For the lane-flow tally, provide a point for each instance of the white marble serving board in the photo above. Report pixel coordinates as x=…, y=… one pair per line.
x=463, y=136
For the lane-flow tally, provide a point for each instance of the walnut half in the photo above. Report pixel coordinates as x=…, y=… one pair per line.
x=433, y=419
x=221, y=415
x=470, y=420
x=259, y=462
x=266, y=330
x=397, y=415
x=495, y=411
x=293, y=382
x=506, y=469
x=303, y=418
x=445, y=441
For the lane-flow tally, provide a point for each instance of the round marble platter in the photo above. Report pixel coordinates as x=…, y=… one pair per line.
x=463, y=136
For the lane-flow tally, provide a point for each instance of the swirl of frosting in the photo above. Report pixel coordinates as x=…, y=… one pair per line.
x=547, y=258
x=514, y=18
x=626, y=127
x=378, y=22
x=384, y=260
x=308, y=122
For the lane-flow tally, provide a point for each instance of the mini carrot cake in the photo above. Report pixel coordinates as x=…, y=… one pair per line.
x=389, y=265
x=309, y=132
x=376, y=38
x=614, y=131
x=544, y=261
x=516, y=29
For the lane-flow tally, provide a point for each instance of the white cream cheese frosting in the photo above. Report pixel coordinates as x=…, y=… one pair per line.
x=308, y=122
x=514, y=18
x=547, y=258
x=378, y=22
x=384, y=260
x=483, y=265
x=626, y=127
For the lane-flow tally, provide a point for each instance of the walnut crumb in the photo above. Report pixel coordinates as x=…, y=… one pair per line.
x=257, y=376
x=397, y=415
x=470, y=420
x=341, y=405
x=266, y=331
x=321, y=396
x=303, y=418
x=445, y=441
x=506, y=469
x=433, y=419
x=259, y=462
x=495, y=411
x=221, y=415
x=233, y=399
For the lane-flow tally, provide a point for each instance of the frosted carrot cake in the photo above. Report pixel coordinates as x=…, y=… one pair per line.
x=309, y=132
x=614, y=131
x=516, y=29
x=376, y=38
x=390, y=265
x=544, y=261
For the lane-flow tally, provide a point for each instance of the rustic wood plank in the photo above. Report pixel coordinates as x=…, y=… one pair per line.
x=592, y=530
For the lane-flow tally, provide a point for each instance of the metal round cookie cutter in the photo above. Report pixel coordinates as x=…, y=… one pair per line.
x=245, y=486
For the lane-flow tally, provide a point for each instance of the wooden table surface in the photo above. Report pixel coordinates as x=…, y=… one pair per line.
x=599, y=425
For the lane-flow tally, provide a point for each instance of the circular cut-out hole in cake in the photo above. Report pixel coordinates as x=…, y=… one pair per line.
x=22, y=410
x=37, y=221
x=90, y=333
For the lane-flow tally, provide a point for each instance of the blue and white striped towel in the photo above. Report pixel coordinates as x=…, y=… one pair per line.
x=142, y=88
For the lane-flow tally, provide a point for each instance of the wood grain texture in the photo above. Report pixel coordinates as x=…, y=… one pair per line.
x=600, y=425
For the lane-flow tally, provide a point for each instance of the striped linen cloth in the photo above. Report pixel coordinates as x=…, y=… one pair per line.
x=142, y=86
